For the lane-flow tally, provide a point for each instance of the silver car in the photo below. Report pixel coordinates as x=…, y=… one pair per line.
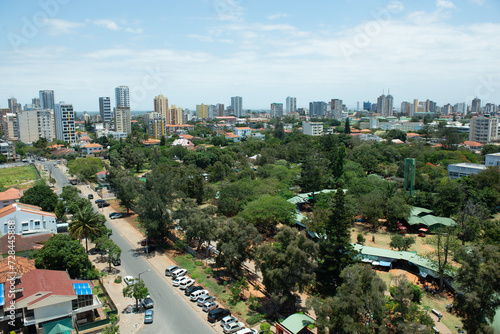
x=205, y=299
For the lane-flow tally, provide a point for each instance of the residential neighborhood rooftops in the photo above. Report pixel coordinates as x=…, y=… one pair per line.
x=23, y=243
x=296, y=322
x=21, y=266
x=92, y=145
x=11, y=194
x=25, y=208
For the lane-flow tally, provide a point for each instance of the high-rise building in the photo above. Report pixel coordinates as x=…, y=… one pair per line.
x=122, y=97
x=312, y=128
x=27, y=121
x=367, y=106
x=336, y=109
x=161, y=106
x=406, y=108
x=461, y=108
x=447, y=109
x=291, y=104
x=64, y=117
x=220, y=109
x=46, y=99
x=10, y=125
x=122, y=119
x=3, y=112
x=46, y=126
x=36, y=102
x=430, y=106
x=156, y=127
x=483, y=129
x=490, y=108
x=202, y=111
x=385, y=105
x=105, y=109
x=277, y=110
x=13, y=105
x=317, y=109
x=476, y=105
x=176, y=115
x=237, y=105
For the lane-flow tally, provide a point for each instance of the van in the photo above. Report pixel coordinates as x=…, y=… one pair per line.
x=197, y=294
x=178, y=273
x=170, y=270
x=217, y=314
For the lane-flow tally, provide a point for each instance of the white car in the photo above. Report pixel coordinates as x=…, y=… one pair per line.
x=205, y=299
x=186, y=284
x=197, y=294
x=129, y=280
x=233, y=327
x=210, y=306
x=247, y=331
x=227, y=320
x=178, y=273
x=179, y=280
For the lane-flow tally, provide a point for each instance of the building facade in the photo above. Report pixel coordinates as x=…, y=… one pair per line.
x=105, y=109
x=456, y=171
x=28, y=126
x=483, y=129
x=317, y=109
x=277, y=110
x=161, y=106
x=27, y=220
x=475, y=105
x=291, y=104
x=336, y=109
x=176, y=115
x=123, y=120
x=312, y=128
x=64, y=117
x=46, y=99
x=385, y=105
x=202, y=111
x=122, y=97
x=237, y=105
x=156, y=127
x=10, y=126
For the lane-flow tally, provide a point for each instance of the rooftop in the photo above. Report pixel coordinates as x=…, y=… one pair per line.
x=11, y=194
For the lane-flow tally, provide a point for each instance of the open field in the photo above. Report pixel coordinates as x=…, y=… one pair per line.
x=17, y=176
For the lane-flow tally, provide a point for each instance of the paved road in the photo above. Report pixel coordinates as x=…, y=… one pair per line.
x=55, y=172
x=172, y=313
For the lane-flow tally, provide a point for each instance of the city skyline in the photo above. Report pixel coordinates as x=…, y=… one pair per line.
x=445, y=51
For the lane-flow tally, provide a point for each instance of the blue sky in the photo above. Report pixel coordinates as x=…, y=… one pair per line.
x=205, y=51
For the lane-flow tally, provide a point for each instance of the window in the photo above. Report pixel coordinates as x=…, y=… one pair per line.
x=25, y=227
x=37, y=225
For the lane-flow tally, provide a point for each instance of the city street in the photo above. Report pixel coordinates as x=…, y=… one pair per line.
x=172, y=314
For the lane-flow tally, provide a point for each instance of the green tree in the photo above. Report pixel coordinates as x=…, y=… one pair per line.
x=449, y=198
x=236, y=241
x=3, y=159
x=401, y=243
x=84, y=223
x=267, y=212
x=445, y=243
x=357, y=307
x=232, y=198
x=197, y=222
x=61, y=252
x=108, y=246
x=85, y=168
x=162, y=141
x=138, y=290
x=314, y=174
x=288, y=265
x=127, y=188
x=478, y=287
x=347, y=127
x=40, y=195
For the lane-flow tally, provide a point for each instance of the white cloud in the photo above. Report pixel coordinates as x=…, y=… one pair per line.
x=479, y=2
x=395, y=6
x=112, y=25
x=276, y=16
x=229, y=10
x=445, y=4
x=60, y=27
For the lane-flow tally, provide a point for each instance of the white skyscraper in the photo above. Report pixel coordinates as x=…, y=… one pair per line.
x=105, y=109
x=65, y=122
x=291, y=104
x=237, y=105
x=122, y=97
x=336, y=109
x=46, y=99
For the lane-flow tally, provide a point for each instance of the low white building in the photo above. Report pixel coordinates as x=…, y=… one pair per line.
x=10, y=196
x=92, y=148
x=492, y=159
x=27, y=220
x=312, y=128
x=243, y=132
x=456, y=171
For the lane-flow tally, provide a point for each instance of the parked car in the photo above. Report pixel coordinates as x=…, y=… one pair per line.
x=169, y=270
x=247, y=331
x=148, y=317
x=102, y=204
x=208, y=306
x=129, y=280
x=179, y=280
x=115, y=215
x=192, y=289
x=97, y=201
x=116, y=261
x=144, y=242
x=227, y=320
x=90, y=196
x=179, y=272
x=205, y=299
x=147, y=303
x=149, y=249
x=233, y=327
x=186, y=284
x=197, y=294
x=217, y=314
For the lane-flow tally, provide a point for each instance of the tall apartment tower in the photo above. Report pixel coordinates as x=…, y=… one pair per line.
x=202, y=111
x=122, y=97
x=385, y=104
x=291, y=104
x=220, y=109
x=237, y=105
x=13, y=105
x=161, y=106
x=277, y=110
x=11, y=127
x=176, y=115
x=46, y=99
x=46, y=126
x=105, y=109
x=65, y=122
x=35, y=102
x=27, y=121
x=483, y=129
x=317, y=109
x=336, y=109
x=406, y=108
x=476, y=105
x=123, y=120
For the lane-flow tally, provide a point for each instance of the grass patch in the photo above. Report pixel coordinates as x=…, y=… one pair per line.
x=185, y=263
x=15, y=175
x=439, y=303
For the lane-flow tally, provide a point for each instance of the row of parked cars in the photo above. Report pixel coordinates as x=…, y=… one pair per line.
x=202, y=297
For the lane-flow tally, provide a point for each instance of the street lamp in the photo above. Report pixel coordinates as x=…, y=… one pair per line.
x=145, y=271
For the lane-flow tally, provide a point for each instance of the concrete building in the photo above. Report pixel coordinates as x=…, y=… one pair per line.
x=27, y=219
x=277, y=110
x=460, y=108
x=237, y=105
x=8, y=149
x=123, y=120
x=92, y=148
x=105, y=109
x=367, y=106
x=27, y=121
x=447, y=109
x=46, y=99
x=483, y=129
x=475, y=106
x=385, y=105
x=317, y=109
x=312, y=128
x=291, y=104
x=64, y=117
x=46, y=125
x=11, y=126
x=122, y=97
x=243, y=131
x=456, y=171
x=161, y=106
x=406, y=108
x=10, y=196
x=403, y=126
x=13, y=105
x=220, y=109
x=202, y=111
x=492, y=159
x=36, y=102
x=176, y=116
x=336, y=107
x=156, y=127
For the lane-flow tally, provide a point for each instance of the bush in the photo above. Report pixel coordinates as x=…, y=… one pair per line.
x=255, y=319
x=118, y=279
x=361, y=238
x=209, y=271
x=265, y=327
x=254, y=303
x=198, y=263
x=195, y=276
x=189, y=256
x=200, y=280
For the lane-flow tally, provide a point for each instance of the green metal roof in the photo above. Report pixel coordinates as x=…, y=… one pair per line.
x=296, y=322
x=422, y=216
x=415, y=211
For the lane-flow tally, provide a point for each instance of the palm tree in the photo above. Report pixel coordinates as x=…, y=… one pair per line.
x=85, y=222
